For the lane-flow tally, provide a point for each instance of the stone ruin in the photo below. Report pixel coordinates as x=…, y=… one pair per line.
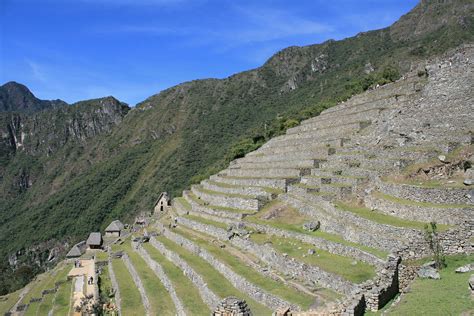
x=232, y=306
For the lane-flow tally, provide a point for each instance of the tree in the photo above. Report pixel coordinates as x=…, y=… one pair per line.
x=432, y=238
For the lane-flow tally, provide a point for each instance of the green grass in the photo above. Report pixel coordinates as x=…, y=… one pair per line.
x=7, y=301
x=216, y=207
x=101, y=256
x=206, y=221
x=325, y=260
x=448, y=296
x=238, y=266
x=292, y=220
x=382, y=218
x=62, y=301
x=184, y=203
x=213, y=278
x=200, y=188
x=160, y=300
x=184, y=288
x=401, y=201
x=45, y=281
x=131, y=301
x=47, y=303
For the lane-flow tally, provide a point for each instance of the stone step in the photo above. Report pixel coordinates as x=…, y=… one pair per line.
x=340, y=191
x=358, y=110
x=305, y=140
x=297, y=154
x=327, y=122
x=235, y=189
x=332, y=179
x=401, y=91
x=268, y=172
x=343, y=171
x=274, y=183
x=450, y=214
x=340, y=130
x=198, y=209
x=309, y=150
x=241, y=202
x=284, y=163
x=440, y=195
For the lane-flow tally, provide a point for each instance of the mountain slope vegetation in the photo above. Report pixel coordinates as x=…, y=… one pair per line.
x=80, y=166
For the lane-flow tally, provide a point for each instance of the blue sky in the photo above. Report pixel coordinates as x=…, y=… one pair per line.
x=132, y=49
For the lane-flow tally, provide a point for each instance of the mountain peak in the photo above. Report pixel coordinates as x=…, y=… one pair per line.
x=16, y=97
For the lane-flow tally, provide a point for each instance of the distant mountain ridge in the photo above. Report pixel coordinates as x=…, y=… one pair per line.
x=69, y=169
x=15, y=97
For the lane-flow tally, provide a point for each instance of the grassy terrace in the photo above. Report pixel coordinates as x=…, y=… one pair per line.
x=62, y=301
x=7, y=301
x=200, y=188
x=382, y=218
x=231, y=186
x=185, y=289
x=448, y=296
x=45, y=281
x=398, y=200
x=348, y=268
x=184, y=203
x=131, y=301
x=206, y=221
x=160, y=300
x=216, y=281
x=220, y=208
x=49, y=300
x=292, y=220
x=430, y=184
x=238, y=266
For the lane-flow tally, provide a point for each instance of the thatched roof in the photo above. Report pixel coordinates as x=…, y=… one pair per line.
x=95, y=239
x=74, y=252
x=163, y=194
x=115, y=226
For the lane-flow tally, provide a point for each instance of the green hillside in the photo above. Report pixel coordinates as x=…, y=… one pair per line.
x=60, y=186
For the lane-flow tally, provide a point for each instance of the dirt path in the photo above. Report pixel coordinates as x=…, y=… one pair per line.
x=81, y=286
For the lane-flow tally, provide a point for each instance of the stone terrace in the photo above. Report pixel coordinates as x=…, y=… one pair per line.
x=354, y=170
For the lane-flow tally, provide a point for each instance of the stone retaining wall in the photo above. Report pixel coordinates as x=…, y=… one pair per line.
x=158, y=270
x=262, y=182
x=210, y=211
x=443, y=215
x=353, y=228
x=240, y=203
x=321, y=243
x=271, y=301
x=243, y=190
x=284, y=264
x=138, y=282
x=115, y=286
x=431, y=195
x=279, y=162
x=207, y=295
x=263, y=172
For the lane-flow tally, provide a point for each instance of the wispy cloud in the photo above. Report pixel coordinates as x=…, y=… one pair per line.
x=266, y=24
x=37, y=71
